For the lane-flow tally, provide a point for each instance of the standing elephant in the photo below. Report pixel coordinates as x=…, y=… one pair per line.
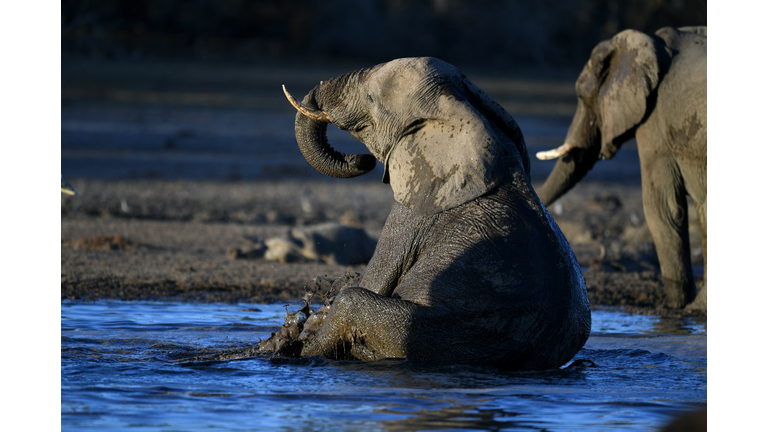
x=470, y=267
x=653, y=88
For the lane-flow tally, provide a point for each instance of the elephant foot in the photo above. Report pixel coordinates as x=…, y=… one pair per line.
x=699, y=305
x=677, y=294
x=285, y=342
x=298, y=331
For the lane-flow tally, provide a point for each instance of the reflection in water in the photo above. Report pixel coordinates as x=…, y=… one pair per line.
x=609, y=321
x=130, y=365
x=460, y=415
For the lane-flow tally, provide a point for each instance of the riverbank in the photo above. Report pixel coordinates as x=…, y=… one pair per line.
x=159, y=239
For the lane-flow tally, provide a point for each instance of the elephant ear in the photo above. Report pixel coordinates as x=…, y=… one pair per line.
x=632, y=75
x=453, y=158
x=506, y=124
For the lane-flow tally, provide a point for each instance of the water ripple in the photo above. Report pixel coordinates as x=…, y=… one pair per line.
x=144, y=365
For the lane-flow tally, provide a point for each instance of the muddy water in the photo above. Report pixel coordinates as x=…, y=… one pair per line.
x=158, y=366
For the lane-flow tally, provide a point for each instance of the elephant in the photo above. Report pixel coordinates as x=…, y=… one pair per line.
x=652, y=88
x=470, y=268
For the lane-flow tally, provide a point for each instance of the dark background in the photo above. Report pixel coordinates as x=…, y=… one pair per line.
x=170, y=89
x=544, y=35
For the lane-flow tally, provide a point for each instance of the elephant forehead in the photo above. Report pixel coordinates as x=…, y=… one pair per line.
x=415, y=67
x=403, y=80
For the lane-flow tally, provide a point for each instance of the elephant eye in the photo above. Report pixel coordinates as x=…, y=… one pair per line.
x=360, y=127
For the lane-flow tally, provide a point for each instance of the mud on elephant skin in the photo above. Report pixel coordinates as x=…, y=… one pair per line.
x=470, y=267
x=652, y=88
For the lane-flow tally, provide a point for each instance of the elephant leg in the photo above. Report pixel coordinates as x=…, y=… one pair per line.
x=364, y=325
x=666, y=210
x=700, y=303
x=394, y=252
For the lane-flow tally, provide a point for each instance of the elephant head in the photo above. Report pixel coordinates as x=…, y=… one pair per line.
x=616, y=90
x=442, y=140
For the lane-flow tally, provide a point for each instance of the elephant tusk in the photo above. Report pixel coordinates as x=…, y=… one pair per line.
x=554, y=153
x=314, y=114
x=67, y=188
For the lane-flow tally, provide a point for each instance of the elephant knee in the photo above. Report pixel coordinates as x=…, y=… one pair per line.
x=352, y=306
x=663, y=187
x=347, y=300
x=666, y=208
x=677, y=214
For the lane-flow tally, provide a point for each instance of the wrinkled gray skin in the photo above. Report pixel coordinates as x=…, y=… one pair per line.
x=470, y=267
x=653, y=88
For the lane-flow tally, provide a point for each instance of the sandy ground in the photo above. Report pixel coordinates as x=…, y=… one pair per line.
x=177, y=165
x=150, y=239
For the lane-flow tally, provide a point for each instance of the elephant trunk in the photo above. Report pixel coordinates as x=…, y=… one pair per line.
x=311, y=127
x=576, y=157
x=568, y=171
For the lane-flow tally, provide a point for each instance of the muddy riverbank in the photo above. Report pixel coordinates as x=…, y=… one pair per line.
x=150, y=239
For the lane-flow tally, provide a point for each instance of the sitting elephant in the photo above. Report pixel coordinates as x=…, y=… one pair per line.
x=470, y=268
x=653, y=88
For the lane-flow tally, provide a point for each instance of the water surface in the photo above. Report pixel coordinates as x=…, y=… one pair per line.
x=142, y=366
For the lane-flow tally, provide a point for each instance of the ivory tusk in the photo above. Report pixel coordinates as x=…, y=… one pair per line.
x=314, y=114
x=67, y=188
x=554, y=153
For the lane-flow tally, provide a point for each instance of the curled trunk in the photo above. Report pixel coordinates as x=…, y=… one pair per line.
x=313, y=143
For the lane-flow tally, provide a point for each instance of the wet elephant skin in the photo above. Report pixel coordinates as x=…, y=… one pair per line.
x=470, y=267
